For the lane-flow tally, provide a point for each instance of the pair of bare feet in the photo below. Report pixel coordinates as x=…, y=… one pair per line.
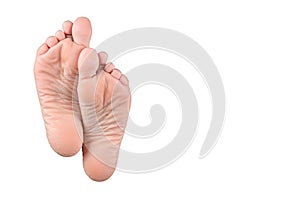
x=85, y=102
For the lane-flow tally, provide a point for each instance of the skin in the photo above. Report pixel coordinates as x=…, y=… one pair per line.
x=85, y=102
x=104, y=99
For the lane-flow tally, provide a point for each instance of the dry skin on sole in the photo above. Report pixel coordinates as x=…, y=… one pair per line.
x=85, y=102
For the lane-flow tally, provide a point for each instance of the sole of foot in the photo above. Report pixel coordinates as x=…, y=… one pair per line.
x=104, y=99
x=56, y=77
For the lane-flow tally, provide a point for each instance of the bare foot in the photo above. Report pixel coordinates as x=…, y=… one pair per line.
x=56, y=72
x=104, y=99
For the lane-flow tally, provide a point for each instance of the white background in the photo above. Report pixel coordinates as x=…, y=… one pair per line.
x=255, y=45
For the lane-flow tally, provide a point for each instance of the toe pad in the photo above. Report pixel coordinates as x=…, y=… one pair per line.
x=42, y=49
x=67, y=27
x=60, y=35
x=116, y=73
x=51, y=41
x=109, y=67
x=88, y=63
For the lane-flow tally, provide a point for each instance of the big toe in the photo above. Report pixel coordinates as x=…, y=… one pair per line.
x=88, y=64
x=82, y=31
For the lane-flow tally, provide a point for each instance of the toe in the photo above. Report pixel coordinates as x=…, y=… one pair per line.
x=116, y=73
x=88, y=63
x=60, y=35
x=109, y=67
x=124, y=80
x=51, y=41
x=82, y=31
x=42, y=49
x=102, y=57
x=67, y=27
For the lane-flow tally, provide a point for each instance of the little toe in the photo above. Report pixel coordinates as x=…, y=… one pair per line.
x=51, y=41
x=60, y=35
x=88, y=63
x=42, y=49
x=67, y=27
x=116, y=73
x=124, y=80
x=109, y=67
x=82, y=31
